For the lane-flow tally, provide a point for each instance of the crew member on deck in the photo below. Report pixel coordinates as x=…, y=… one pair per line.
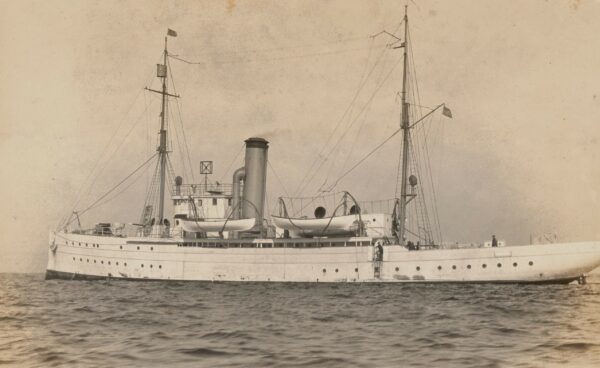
x=494, y=241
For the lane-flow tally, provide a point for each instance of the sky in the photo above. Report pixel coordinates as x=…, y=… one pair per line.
x=519, y=158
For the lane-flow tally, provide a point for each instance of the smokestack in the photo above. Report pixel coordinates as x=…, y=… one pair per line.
x=255, y=181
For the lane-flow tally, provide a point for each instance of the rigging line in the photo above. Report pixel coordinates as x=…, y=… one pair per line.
x=353, y=121
x=368, y=155
x=278, y=178
x=116, y=186
x=425, y=134
x=427, y=156
x=106, y=148
x=231, y=163
x=379, y=59
x=116, y=150
x=187, y=149
x=295, y=47
x=120, y=192
x=339, y=122
x=291, y=57
x=379, y=80
x=179, y=145
x=362, y=79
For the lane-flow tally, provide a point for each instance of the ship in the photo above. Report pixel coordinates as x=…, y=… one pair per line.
x=221, y=232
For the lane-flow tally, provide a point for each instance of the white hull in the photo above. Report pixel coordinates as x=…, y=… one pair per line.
x=168, y=259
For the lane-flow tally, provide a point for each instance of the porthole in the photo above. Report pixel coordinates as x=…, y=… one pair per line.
x=418, y=268
x=324, y=270
x=138, y=248
x=80, y=244
x=356, y=269
x=484, y=265
x=151, y=248
x=125, y=264
x=397, y=269
x=515, y=264
x=73, y=258
x=469, y=267
x=94, y=261
x=108, y=262
x=142, y=265
x=499, y=265
x=336, y=270
x=531, y=263
x=102, y=262
x=117, y=263
x=87, y=260
x=86, y=244
x=150, y=266
x=454, y=267
x=120, y=247
x=97, y=245
x=80, y=259
x=439, y=268
x=159, y=266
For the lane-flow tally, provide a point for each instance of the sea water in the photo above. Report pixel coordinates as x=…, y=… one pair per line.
x=202, y=324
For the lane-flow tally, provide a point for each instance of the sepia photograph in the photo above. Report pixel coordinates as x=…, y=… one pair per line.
x=300, y=183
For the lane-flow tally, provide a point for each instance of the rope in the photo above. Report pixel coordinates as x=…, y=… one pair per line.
x=367, y=156
x=339, y=122
x=187, y=149
x=232, y=161
x=277, y=176
x=115, y=187
x=300, y=56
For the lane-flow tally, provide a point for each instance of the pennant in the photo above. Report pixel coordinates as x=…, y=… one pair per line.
x=446, y=112
x=171, y=33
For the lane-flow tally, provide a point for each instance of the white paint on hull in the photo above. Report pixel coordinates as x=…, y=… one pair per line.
x=167, y=259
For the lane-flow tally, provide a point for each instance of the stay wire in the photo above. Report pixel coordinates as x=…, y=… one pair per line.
x=115, y=187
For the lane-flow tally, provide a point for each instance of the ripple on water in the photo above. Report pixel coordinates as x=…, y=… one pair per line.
x=90, y=324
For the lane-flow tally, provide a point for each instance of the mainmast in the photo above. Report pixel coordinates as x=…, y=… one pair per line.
x=405, y=138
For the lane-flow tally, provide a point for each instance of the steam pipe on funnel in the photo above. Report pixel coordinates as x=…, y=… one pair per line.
x=238, y=176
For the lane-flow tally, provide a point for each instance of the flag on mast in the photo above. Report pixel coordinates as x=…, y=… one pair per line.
x=171, y=33
x=447, y=112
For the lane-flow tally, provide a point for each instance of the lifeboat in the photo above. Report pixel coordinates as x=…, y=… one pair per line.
x=217, y=225
x=346, y=225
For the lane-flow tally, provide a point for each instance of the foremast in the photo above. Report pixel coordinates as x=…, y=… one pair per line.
x=162, y=72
